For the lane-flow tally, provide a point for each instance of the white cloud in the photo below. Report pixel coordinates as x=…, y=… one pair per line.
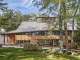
x=26, y=1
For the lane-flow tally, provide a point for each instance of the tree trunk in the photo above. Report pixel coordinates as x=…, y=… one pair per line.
x=60, y=27
x=73, y=25
x=65, y=26
x=62, y=18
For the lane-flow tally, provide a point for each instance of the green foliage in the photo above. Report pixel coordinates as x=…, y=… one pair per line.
x=32, y=47
x=21, y=54
x=77, y=38
x=2, y=5
x=67, y=9
x=10, y=20
x=69, y=4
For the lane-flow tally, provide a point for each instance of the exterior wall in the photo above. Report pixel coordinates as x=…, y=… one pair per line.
x=1, y=39
x=26, y=37
x=6, y=39
x=21, y=39
x=10, y=39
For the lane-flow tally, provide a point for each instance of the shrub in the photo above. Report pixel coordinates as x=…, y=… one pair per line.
x=32, y=47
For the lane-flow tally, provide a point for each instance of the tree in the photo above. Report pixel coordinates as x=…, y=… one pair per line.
x=77, y=34
x=10, y=19
x=77, y=38
x=2, y=5
x=66, y=10
x=29, y=16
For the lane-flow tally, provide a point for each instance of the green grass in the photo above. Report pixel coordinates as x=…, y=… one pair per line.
x=21, y=54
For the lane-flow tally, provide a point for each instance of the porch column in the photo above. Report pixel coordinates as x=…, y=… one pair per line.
x=4, y=38
x=52, y=42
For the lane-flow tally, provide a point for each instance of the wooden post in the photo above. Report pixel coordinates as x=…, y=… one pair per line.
x=4, y=39
x=7, y=39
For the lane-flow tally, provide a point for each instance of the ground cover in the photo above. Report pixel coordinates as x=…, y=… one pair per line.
x=21, y=54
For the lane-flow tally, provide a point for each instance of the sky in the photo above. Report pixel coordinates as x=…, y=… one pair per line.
x=25, y=6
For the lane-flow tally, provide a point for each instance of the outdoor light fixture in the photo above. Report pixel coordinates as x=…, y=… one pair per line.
x=2, y=30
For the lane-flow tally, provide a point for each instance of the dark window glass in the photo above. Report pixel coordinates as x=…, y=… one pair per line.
x=46, y=42
x=55, y=42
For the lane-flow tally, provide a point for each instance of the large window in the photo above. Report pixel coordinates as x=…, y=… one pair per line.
x=55, y=42
x=19, y=42
x=46, y=42
x=49, y=42
x=39, y=33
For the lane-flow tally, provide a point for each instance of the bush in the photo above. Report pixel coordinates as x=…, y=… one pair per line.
x=69, y=53
x=32, y=47
x=0, y=45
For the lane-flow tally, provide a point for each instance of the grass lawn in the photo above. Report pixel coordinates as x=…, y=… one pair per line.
x=20, y=54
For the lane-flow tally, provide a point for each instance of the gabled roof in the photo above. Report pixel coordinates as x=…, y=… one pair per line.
x=37, y=26
x=30, y=26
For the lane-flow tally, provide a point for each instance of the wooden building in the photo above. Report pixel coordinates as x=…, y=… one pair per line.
x=36, y=32
x=35, y=37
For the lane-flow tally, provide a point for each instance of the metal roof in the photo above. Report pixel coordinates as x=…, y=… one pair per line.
x=37, y=26
x=30, y=26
